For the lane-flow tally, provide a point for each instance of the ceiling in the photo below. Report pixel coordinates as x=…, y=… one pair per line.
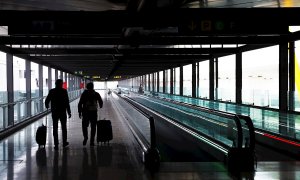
x=125, y=39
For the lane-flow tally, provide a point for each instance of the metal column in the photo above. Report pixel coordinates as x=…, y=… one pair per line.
x=49, y=78
x=172, y=81
x=164, y=81
x=292, y=76
x=283, y=86
x=181, y=81
x=56, y=76
x=238, y=76
x=28, y=87
x=283, y=76
x=211, y=78
x=197, y=80
x=10, y=88
x=216, y=78
x=149, y=89
x=157, y=82
x=194, y=80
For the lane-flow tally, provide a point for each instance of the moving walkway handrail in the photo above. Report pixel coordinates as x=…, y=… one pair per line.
x=151, y=155
x=221, y=114
x=247, y=119
x=150, y=118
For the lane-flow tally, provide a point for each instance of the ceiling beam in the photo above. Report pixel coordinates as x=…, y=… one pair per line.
x=141, y=40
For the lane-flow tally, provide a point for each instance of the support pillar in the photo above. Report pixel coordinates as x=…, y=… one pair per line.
x=172, y=81
x=211, y=78
x=238, y=77
x=28, y=87
x=10, y=89
x=292, y=76
x=181, y=81
x=283, y=77
x=194, y=80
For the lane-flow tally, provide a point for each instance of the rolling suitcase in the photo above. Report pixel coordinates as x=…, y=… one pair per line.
x=104, y=131
x=41, y=134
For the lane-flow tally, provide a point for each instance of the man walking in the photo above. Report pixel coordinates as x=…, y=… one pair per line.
x=59, y=106
x=87, y=108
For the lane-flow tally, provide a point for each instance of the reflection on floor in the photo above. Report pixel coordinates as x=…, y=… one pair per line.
x=20, y=157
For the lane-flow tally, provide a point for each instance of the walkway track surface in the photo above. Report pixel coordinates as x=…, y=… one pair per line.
x=21, y=159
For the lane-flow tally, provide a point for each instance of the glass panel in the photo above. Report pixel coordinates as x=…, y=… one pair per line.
x=19, y=88
x=212, y=125
x=3, y=91
x=267, y=120
x=226, y=79
x=176, y=80
x=261, y=67
x=45, y=80
x=35, y=103
x=68, y=77
x=147, y=82
x=187, y=80
x=53, y=78
x=59, y=76
x=161, y=81
x=204, y=79
x=168, y=80
x=297, y=76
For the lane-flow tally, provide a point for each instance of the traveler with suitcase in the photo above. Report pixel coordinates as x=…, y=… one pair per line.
x=87, y=109
x=59, y=106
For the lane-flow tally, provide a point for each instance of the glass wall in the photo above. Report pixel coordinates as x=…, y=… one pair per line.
x=176, y=79
x=19, y=89
x=35, y=103
x=161, y=81
x=3, y=90
x=203, y=90
x=297, y=75
x=53, y=78
x=261, y=77
x=187, y=80
x=146, y=82
x=45, y=80
x=59, y=76
x=226, y=78
x=167, y=80
x=151, y=84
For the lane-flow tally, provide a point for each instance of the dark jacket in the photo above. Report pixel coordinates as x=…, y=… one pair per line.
x=59, y=101
x=86, y=95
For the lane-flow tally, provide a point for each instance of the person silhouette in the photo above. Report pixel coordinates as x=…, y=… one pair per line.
x=87, y=109
x=59, y=106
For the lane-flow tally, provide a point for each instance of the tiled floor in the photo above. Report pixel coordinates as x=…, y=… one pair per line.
x=20, y=157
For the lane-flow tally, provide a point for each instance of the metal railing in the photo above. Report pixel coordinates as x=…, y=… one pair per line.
x=244, y=128
x=151, y=154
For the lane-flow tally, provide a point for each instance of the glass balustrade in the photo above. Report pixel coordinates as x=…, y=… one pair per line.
x=221, y=129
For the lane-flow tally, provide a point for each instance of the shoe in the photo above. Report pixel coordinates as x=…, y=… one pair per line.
x=84, y=142
x=66, y=144
x=55, y=148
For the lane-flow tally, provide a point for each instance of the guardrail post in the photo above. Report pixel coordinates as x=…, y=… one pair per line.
x=152, y=156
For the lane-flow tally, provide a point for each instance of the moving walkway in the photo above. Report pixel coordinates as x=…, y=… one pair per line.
x=225, y=137
x=273, y=129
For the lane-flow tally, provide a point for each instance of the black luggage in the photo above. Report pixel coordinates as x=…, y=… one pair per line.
x=104, y=131
x=41, y=134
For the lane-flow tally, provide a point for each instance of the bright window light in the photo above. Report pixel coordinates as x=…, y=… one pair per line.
x=294, y=28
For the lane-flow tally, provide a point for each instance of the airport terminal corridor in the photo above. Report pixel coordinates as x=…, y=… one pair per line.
x=121, y=159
